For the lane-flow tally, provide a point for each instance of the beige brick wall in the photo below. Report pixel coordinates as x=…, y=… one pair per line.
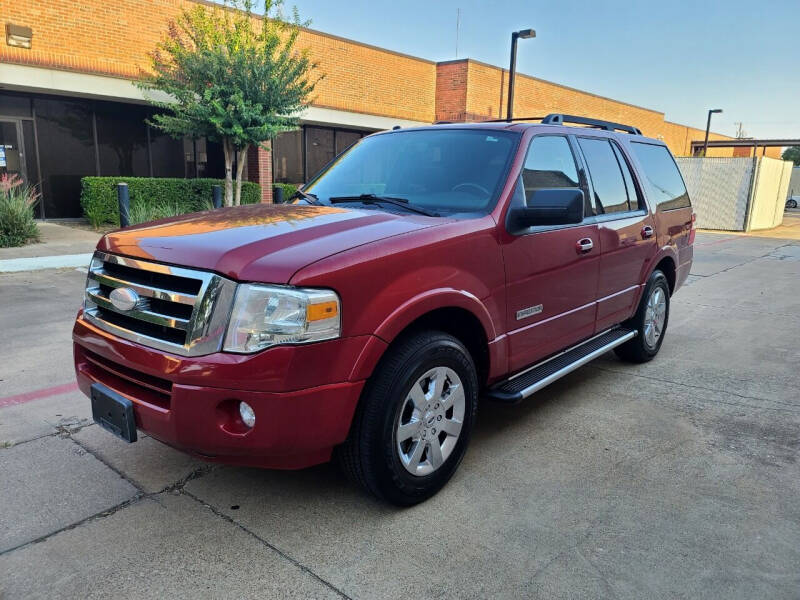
x=488, y=86
x=113, y=38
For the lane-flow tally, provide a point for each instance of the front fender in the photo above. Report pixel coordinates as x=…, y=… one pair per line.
x=411, y=310
x=430, y=300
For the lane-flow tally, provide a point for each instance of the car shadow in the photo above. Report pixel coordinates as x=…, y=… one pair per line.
x=495, y=420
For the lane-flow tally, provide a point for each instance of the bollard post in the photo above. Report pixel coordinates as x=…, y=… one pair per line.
x=216, y=192
x=123, y=199
x=277, y=195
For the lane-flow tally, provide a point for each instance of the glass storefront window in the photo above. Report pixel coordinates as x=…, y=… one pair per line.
x=66, y=152
x=78, y=138
x=15, y=105
x=287, y=161
x=345, y=139
x=166, y=155
x=122, y=140
x=319, y=149
x=321, y=145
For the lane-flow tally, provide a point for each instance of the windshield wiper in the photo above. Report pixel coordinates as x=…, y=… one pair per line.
x=310, y=198
x=375, y=199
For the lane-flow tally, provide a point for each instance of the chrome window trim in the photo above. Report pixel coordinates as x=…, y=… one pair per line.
x=211, y=307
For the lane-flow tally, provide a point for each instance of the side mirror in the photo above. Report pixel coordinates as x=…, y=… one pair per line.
x=561, y=206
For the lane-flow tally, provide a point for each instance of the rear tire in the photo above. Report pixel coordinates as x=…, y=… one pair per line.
x=650, y=322
x=415, y=419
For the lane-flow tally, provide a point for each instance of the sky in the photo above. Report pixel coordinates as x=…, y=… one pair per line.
x=679, y=57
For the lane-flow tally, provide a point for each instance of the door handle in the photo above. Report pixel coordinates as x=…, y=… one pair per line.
x=584, y=245
x=647, y=232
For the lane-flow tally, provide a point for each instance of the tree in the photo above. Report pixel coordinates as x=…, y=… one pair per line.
x=792, y=153
x=233, y=77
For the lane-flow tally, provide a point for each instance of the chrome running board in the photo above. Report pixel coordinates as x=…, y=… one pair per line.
x=518, y=387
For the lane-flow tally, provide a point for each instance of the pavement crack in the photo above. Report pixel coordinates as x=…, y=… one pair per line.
x=60, y=430
x=100, y=515
x=140, y=495
x=789, y=407
x=681, y=301
x=741, y=264
x=89, y=451
x=272, y=547
x=178, y=485
x=9, y=445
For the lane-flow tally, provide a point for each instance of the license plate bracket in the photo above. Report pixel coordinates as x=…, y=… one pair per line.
x=113, y=412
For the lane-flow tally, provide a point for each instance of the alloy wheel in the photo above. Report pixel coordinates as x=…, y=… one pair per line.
x=430, y=421
x=654, y=316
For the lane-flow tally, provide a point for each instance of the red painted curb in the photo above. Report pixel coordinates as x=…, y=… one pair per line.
x=38, y=394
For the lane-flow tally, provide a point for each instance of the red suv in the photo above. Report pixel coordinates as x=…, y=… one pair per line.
x=418, y=271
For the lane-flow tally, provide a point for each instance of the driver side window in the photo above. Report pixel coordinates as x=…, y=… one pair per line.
x=549, y=164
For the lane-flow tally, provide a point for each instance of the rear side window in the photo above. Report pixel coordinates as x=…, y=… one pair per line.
x=634, y=200
x=610, y=192
x=665, y=187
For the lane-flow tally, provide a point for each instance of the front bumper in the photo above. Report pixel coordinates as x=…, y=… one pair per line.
x=304, y=397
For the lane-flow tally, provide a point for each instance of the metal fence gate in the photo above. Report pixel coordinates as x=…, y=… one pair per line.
x=737, y=194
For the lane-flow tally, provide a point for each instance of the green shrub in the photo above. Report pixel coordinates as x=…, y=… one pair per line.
x=143, y=212
x=17, y=200
x=288, y=189
x=152, y=196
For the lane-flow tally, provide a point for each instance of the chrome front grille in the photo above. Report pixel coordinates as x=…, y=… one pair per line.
x=179, y=310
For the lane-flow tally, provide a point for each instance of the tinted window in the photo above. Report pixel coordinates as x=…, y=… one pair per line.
x=319, y=149
x=448, y=170
x=345, y=139
x=13, y=105
x=610, y=194
x=549, y=164
x=634, y=201
x=287, y=157
x=167, y=155
x=66, y=154
x=203, y=158
x=122, y=139
x=664, y=183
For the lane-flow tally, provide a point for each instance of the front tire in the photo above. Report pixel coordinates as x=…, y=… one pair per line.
x=650, y=321
x=415, y=419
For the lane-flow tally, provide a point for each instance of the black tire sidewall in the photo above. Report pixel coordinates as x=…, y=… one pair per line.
x=388, y=396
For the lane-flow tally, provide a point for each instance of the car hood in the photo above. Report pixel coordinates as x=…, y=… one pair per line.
x=261, y=242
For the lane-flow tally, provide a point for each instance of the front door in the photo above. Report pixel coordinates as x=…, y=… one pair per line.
x=551, y=272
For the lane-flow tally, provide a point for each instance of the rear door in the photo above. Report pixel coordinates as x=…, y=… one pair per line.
x=625, y=228
x=666, y=194
x=551, y=272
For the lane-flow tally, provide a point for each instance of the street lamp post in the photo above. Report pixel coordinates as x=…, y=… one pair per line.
x=512, y=70
x=708, y=128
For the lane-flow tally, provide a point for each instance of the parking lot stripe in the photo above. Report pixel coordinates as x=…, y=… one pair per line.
x=38, y=394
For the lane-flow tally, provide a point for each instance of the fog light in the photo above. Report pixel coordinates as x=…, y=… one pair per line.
x=248, y=416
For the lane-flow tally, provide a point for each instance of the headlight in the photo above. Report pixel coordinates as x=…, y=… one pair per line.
x=265, y=316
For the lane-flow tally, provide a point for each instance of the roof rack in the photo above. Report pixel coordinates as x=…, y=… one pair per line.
x=559, y=119
x=556, y=119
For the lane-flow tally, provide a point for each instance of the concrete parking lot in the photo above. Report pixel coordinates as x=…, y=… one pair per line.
x=674, y=479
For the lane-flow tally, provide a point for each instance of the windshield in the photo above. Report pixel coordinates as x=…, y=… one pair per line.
x=443, y=170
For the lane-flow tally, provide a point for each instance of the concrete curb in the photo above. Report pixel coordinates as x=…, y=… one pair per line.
x=37, y=263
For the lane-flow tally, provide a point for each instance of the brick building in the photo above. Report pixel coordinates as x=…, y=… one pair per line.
x=68, y=107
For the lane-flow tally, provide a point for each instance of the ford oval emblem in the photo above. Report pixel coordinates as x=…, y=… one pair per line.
x=124, y=299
